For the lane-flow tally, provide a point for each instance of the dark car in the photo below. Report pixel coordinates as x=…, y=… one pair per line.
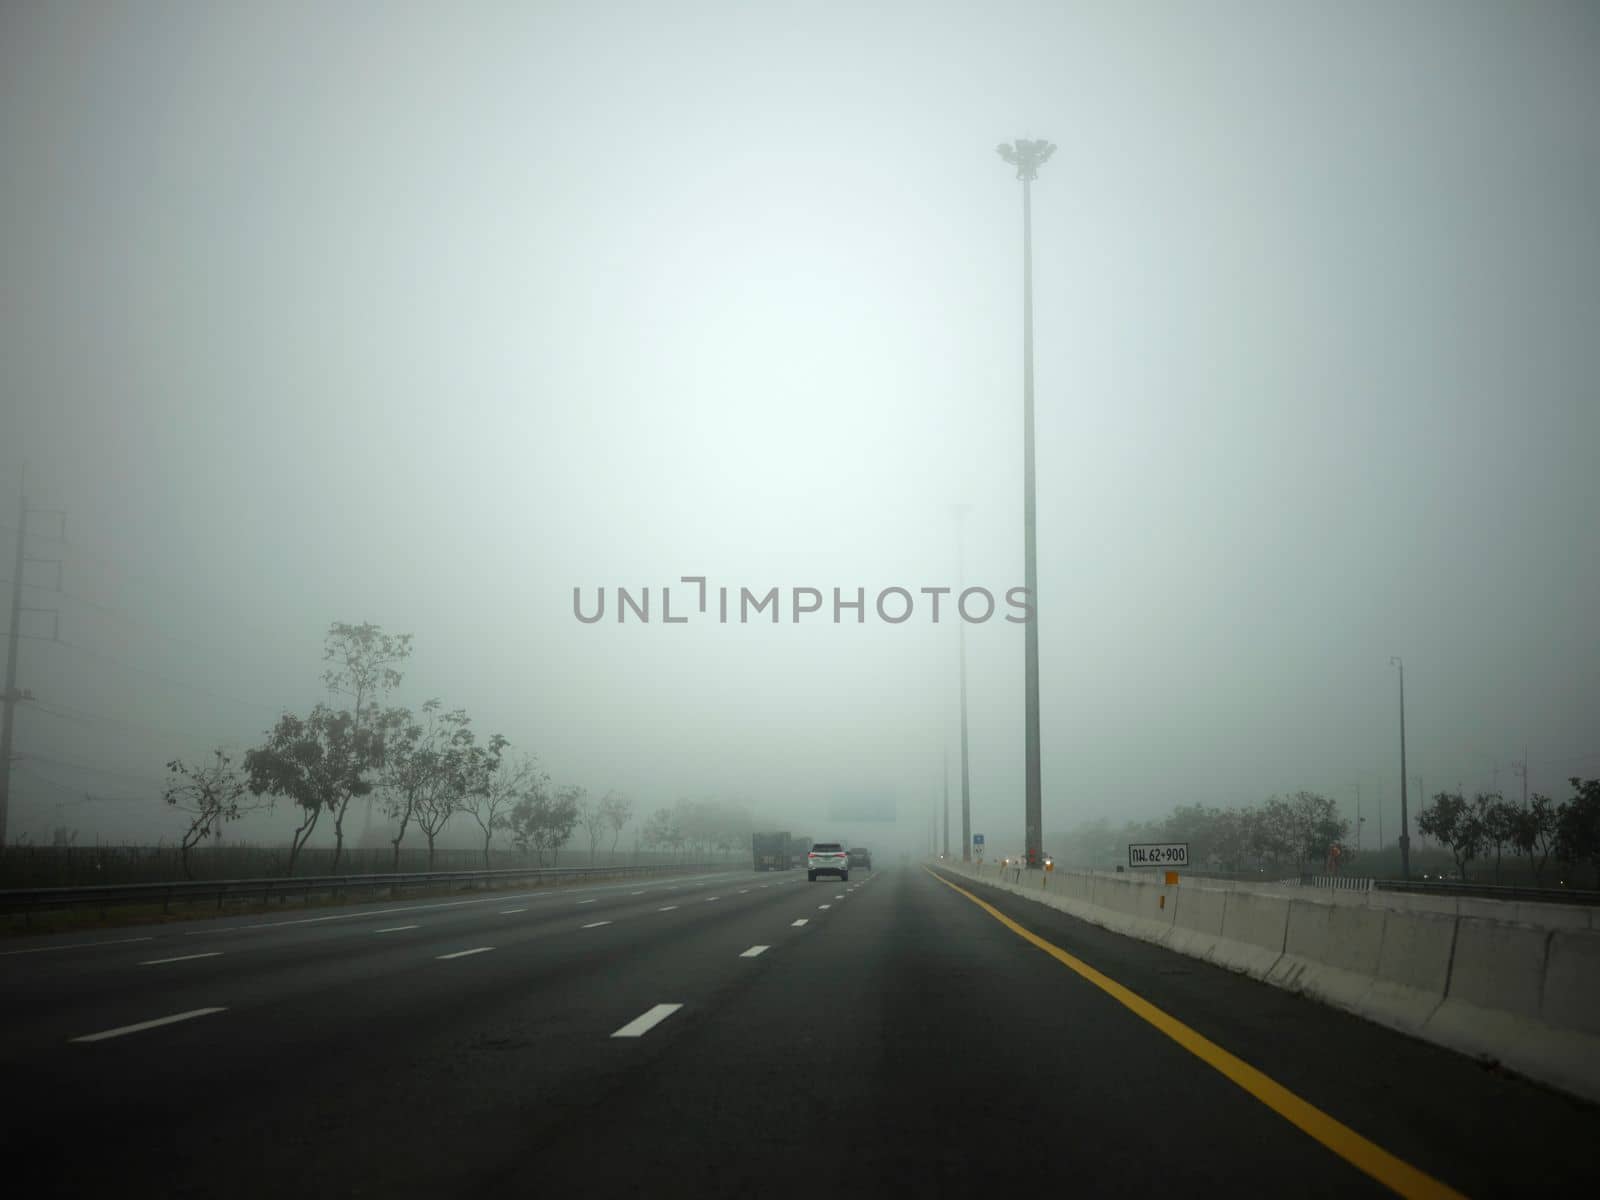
x=861, y=857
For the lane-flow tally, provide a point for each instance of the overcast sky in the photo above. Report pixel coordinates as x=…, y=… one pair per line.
x=427, y=314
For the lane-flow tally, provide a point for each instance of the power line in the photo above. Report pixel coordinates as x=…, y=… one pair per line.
x=178, y=683
x=83, y=796
x=87, y=769
x=68, y=713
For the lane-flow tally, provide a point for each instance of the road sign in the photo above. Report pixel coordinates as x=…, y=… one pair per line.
x=1158, y=854
x=977, y=839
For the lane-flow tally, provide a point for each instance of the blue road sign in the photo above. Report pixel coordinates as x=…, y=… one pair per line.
x=977, y=839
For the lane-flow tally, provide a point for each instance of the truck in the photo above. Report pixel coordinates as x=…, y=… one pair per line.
x=799, y=847
x=771, y=851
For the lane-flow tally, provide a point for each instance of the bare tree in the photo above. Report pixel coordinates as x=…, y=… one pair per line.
x=540, y=821
x=491, y=807
x=1454, y=822
x=618, y=811
x=362, y=662
x=1535, y=832
x=592, y=816
x=209, y=793
x=453, y=777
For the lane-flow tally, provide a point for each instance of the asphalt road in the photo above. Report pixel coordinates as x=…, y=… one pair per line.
x=892, y=1036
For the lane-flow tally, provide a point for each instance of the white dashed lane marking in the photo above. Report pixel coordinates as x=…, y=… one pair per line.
x=755, y=951
x=644, y=1023
x=596, y=924
x=397, y=929
x=156, y=962
x=464, y=953
x=74, y=946
x=143, y=1025
x=801, y=921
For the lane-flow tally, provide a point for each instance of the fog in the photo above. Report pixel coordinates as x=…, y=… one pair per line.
x=428, y=315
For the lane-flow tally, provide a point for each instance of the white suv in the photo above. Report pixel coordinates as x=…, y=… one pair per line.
x=827, y=858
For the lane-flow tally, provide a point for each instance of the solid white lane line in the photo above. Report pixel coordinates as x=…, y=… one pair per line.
x=143, y=1025
x=156, y=962
x=397, y=928
x=668, y=908
x=508, y=911
x=754, y=951
x=596, y=924
x=643, y=1024
x=824, y=906
x=801, y=921
x=74, y=946
x=464, y=953
x=348, y=916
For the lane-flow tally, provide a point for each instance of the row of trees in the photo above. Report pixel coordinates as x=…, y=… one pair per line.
x=700, y=827
x=424, y=768
x=1567, y=831
x=1299, y=829
x=1293, y=829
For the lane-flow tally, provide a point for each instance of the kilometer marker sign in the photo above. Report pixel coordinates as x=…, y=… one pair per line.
x=1158, y=854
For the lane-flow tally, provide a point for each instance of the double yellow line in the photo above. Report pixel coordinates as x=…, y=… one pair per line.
x=1394, y=1173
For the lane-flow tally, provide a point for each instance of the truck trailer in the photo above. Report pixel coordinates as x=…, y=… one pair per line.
x=771, y=851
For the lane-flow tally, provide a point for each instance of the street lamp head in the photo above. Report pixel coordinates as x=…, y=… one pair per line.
x=1394, y=661
x=1026, y=156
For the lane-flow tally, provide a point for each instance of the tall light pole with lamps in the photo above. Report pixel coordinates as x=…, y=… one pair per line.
x=1405, y=836
x=960, y=511
x=1027, y=157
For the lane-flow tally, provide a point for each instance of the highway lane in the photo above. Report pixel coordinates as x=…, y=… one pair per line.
x=345, y=1057
x=901, y=1037
x=64, y=991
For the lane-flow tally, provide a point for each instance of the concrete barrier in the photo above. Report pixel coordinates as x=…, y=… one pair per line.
x=1331, y=952
x=1254, y=928
x=1413, y=969
x=1465, y=973
x=1197, y=923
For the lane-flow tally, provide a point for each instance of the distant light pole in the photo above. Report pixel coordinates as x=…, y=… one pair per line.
x=960, y=511
x=1028, y=157
x=946, y=855
x=1405, y=837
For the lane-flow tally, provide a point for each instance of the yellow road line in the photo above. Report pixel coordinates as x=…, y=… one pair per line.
x=1368, y=1157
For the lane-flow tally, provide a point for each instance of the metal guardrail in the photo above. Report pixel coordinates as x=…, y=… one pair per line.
x=29, y=900
x=1447, y=887
x=1489, y=891
x=1339, y=883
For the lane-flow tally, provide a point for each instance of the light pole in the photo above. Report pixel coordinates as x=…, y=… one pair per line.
x=1028, y=157
x=946, y=854
x=1405, y=837
x=960, y=511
